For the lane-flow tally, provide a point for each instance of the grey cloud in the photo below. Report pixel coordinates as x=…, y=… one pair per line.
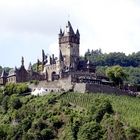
x=42, y=20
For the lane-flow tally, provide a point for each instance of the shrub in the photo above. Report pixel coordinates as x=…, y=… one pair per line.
x=16, y=103
x=13, y=88
x=90, y=131
x=5, y=104
x=99, y=108
x=47, y=134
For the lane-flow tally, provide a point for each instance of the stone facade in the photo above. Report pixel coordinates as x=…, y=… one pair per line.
x=18, y=75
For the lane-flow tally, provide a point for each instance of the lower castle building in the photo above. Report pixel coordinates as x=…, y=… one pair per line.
x=18, y=75
x=50, y=68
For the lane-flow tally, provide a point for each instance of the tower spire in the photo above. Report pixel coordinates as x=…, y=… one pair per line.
x=22, y=61
x=60, y=56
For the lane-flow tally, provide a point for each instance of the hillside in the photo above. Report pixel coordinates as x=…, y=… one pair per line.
x=67, y=116
x=128, y=108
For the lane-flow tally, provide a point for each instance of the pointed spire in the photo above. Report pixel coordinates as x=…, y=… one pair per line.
x=43, y=55
x=4, y=74
x=69, y=29
x=60, y=31
x=50, y=60
x=37, y=65
x=22, y=61
x=77, y=33
x=60, y=56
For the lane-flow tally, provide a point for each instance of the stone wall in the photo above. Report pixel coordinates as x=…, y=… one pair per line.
x=66, y=84
x=97, y=88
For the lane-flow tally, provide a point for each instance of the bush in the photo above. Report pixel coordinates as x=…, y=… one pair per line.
x=90, y=131
x=13, y=88
x=26, y=124
x=16, y=103
x=99, y=108
x=47, y=134
x=5, y=103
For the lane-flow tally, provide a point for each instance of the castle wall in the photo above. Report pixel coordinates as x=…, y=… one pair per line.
x=97, y=88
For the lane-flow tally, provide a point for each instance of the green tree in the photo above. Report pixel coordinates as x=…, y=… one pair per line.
x=116, y=74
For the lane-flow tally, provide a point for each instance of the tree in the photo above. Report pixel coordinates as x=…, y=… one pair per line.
x=116, y=74
x=90, y=131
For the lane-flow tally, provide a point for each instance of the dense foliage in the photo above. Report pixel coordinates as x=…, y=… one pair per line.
x=113, y=58
x=67, y=116
x=116, y=74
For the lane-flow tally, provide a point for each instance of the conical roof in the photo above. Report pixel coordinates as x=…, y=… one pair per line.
x=77, y=33
x=69, y=29
x=4, y=74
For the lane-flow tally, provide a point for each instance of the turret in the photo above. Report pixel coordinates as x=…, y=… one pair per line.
x=60, y=33
x=77, y=33
x=4, y=74
x=22, y=61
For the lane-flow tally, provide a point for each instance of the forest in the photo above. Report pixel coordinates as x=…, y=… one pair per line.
x=113, y=58
x=129, y=63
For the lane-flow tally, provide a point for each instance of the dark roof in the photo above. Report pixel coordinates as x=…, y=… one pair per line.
x=4, y=74
x=77, y=33
x=60, y=56
x=69, y=29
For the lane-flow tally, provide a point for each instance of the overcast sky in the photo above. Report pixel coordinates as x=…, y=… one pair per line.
x=28, y=26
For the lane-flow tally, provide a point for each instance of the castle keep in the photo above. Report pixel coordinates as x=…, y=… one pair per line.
x=69, y=63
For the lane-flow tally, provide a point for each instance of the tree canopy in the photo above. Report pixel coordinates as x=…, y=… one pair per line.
x=114, y=58
x=116, y=74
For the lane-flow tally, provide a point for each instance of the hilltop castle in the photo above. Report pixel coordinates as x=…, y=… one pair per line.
x=51, y=68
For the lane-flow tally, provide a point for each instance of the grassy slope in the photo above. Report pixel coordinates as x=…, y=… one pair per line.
x=127, y=107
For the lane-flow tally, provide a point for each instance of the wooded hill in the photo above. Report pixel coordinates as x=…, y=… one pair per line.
x=67, y=116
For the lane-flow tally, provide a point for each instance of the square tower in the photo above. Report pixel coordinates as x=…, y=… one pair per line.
x=69, y=47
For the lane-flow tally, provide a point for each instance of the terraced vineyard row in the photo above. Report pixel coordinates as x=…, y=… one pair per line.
x=127, y=107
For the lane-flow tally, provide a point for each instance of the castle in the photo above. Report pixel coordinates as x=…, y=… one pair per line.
x=69, y=65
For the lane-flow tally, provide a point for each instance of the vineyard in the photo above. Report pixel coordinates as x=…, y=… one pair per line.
x=128, y=108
